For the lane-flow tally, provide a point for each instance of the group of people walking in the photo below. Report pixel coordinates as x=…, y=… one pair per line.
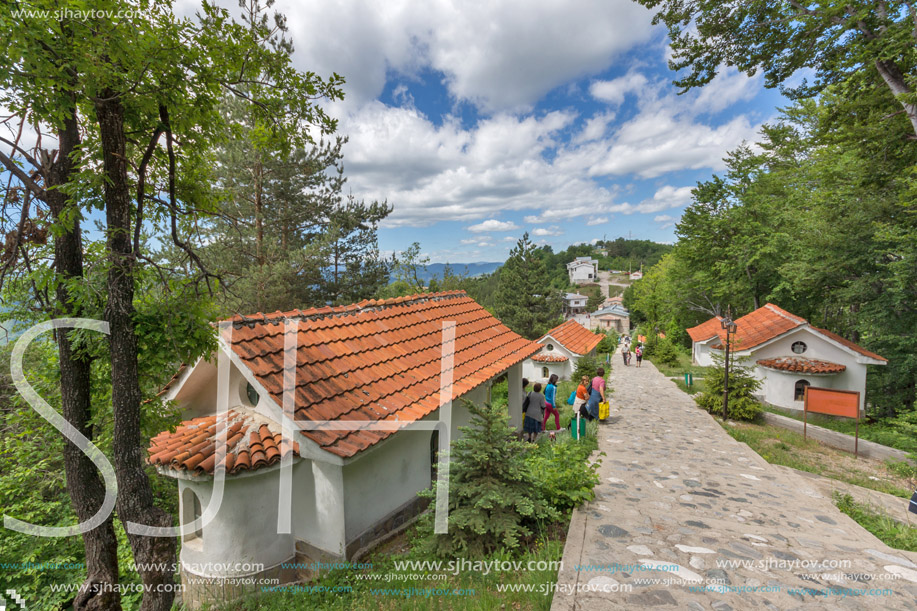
x=537, y=406
x=625, y=351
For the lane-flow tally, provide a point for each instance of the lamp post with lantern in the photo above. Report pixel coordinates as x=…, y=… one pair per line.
x=729, y=326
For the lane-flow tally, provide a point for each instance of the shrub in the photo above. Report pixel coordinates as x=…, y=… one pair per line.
x=664, y=352
x=494, y=499
x=607, y=344
x=563, y=473
x=586, y=366
x=742, y=385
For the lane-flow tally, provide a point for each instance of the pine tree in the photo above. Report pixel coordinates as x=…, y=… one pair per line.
x=525, y=301
x=493, y=496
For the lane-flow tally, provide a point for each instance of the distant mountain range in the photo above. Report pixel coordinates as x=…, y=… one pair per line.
x=471, y=269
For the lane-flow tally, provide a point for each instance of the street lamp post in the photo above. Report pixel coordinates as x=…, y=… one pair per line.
x=730, y=327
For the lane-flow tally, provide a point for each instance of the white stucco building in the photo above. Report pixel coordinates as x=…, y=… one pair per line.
x=561, y=348
x=375, y=363
x=583, y=270
x=787, y=354
x=574, y=303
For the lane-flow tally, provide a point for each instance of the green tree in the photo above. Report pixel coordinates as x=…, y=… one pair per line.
x=742, y=386
x=525, y=301
x=494, y=499
x=136, y=99
x=836, y=40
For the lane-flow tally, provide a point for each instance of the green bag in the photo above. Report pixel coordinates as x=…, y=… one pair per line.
x=581, y=432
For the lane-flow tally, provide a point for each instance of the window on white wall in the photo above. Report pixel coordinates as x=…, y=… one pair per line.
x=798, y=347
x=545, y=373
x=799, y=392
x=550, y=347
x=249, y=394
x=191, y=511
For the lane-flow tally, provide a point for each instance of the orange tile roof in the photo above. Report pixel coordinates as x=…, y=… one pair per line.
x=376, y=360
x=849, y=344
x=252, y=442
x=574, y=337
x=766, y=323
x=705, y=330
x=549, y=358
x=800, y=364
x=759, y=326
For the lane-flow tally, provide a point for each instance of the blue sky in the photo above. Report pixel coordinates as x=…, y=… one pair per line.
x=479, y=121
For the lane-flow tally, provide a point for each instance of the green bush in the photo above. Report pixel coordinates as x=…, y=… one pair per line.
x=564, y=475
x=586, y=366
x=664, y=353
x=494, y=499
x=608, y=343
x=742, y=385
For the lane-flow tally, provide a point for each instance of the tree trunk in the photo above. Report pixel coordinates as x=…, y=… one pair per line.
x=84, y=485
x=895, y=80
x=154, y=556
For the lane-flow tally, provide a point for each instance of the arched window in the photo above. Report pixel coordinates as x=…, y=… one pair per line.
x=191, y=511
x=545, y=372
x=799, y=392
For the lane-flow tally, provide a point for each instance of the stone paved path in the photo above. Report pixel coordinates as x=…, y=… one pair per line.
x=680, y=496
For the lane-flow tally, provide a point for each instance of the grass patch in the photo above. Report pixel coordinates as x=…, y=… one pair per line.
x=879, y=431
x=892, y=533
x=691, y=390
x=782, y=447
x=684, y=366
x=386, y=587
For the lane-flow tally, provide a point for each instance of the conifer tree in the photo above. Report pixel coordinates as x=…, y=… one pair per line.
x=493, y=497
x=525, y=302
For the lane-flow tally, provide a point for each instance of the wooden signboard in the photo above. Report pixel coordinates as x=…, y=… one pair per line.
x=844, y=403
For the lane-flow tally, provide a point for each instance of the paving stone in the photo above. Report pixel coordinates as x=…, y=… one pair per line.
x=652, y=598
x=673, y=482
x=610, y=530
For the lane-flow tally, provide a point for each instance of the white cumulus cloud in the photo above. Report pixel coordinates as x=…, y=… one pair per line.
x=493, y=225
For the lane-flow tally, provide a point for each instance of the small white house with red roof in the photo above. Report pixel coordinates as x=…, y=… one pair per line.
x=562, y=347
x=348, y=380
x=787, y=354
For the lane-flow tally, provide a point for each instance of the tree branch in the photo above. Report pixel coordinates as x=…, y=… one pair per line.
x=141, y=181
x=14, y=169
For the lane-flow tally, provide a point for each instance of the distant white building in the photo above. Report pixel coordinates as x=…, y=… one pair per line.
x=563, y=345
x=574, y=303
x=637, y=275
x=582, y=270
x=787, y=354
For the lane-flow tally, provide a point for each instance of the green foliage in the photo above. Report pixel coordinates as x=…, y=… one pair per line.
x=742, y=385
x=494, y=499
x=838, y=42
x=623, y=254
x=892, y=533
x=608, y=344
x=524, y=300
x=563, y=472
x=585, y=366
x=663, y=352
